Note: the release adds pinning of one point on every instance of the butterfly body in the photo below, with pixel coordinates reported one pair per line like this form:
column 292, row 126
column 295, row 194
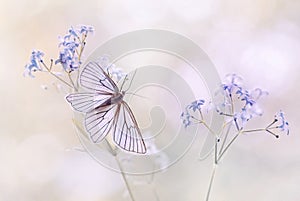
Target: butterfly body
column 105, row 110
column 117, row 97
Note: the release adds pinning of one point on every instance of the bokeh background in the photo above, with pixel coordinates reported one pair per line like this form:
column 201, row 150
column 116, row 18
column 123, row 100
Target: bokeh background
column 258, row 39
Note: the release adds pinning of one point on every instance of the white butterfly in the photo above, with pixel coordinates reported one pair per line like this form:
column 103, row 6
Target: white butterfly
column 105, row 110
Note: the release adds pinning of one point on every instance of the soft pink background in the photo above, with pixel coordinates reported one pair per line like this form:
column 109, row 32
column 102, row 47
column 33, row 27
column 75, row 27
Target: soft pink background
column 259, row 39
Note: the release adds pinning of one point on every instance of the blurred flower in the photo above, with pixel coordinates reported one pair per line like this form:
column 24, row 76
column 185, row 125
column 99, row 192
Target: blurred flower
column 34, row 65
column 196, row 105
column 283, row 124
column 232, row 82
column 116, row 73
column 186, row 118
column 258, row 93
column 247, row 113
column 85, row 29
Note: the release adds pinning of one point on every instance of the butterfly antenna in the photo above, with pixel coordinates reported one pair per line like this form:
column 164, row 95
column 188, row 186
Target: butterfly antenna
column 123, row 82
column 131, row 80
column 134, row 94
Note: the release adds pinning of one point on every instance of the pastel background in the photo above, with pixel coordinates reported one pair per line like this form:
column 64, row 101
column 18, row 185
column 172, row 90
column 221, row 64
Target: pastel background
column 258, row 39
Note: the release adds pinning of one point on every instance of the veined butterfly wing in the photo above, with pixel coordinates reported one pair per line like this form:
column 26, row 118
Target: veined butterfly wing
column 94, row 78
column 85, row 102
column 127, row 134
column 99, row 121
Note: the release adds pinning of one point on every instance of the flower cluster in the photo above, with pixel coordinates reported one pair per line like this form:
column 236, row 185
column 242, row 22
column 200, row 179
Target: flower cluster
column 35, row 63
column 72, row 44
column 239, row 105
column 283, row 124
column 71, row 48
column 234, row 92
column 186, row 116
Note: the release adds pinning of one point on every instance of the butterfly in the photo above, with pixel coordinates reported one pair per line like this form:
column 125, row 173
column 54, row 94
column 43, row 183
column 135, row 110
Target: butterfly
column 105, row 110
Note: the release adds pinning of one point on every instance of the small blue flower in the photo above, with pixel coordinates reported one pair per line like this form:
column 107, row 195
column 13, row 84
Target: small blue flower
column 85, row 29
column 68, row 44
column 186, row 118
column 242, row 117
column 72, row 32
column 247, row 113
column 115, row 73
column 232, row 82
column 71, row 46
column 283, row 124
column 258, row 93
column 68, row 60
column 248, row 100
column 196, row 105
column 34, row 65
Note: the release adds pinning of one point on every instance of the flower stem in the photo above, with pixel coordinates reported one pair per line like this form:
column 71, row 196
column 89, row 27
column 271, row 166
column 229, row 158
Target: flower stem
column 225, row 138
column 113, row 152
column 229, row 144
column 71, row 80
column 211, row 182
column 69, row 85
column 121, row 170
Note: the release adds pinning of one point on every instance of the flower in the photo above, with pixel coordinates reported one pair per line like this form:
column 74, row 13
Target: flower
column 34, row 65
column 115, row 73
column 232, row 82
column 71, row 46
column 85, row 29
column 247, row 113
column 68, row 60
column 185, row 117
column 196, row 105
column 283, row 124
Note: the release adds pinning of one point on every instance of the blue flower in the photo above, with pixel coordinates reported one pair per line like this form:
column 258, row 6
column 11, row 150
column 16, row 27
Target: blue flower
column 34, row 65
column 85, row 29
column 252, row 97
column 68, row 44
column 196, row 105
column 247, row 113
column 186, row 118
column 283, row 124
column 115, row 73
column 233, row 82
column 68, row 60
column 72, row 32
column 71, row 46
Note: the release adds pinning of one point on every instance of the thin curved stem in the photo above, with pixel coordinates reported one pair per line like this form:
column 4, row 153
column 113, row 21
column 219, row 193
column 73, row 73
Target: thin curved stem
column 121, row 170
column 229, row 144
column 113, row 152
column 211, row 182
column 60, row 79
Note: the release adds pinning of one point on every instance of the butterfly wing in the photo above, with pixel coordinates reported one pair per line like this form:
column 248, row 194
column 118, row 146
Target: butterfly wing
column 85, row 102
column 99, row 121
column 93, row 78
column 127, row 134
